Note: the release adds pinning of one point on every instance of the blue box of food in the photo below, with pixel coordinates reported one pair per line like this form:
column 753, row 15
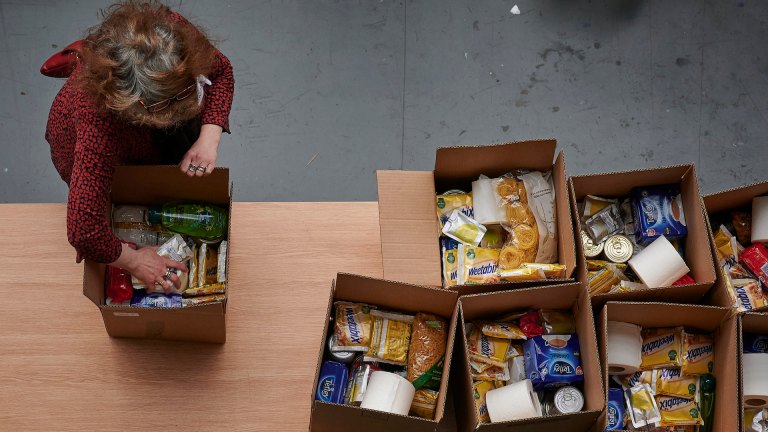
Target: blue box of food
column 553, row 361
column 615, row 411
column 658, row 210
column 755, row 343
column 332, row 383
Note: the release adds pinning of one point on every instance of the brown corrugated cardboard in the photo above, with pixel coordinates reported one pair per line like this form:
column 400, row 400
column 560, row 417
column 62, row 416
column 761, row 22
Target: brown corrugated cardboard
column 750, row 322
column 697, row 247
column 721, row 201
column 386, row 295
column 566, row 296
column 148, row 185
column 407, row 213
column 711, row 319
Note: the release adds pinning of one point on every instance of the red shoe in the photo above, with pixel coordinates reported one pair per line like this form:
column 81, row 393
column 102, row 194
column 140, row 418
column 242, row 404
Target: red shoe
column 61, row 64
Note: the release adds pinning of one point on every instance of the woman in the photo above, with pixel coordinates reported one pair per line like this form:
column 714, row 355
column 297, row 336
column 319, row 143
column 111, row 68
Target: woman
column 149, row 88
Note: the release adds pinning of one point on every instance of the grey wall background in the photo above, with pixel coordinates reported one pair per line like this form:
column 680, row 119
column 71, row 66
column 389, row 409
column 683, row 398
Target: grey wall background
column 329, row 91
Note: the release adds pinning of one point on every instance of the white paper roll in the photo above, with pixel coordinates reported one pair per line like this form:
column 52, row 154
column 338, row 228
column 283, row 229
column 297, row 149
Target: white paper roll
column 760, row 219
column 624, row 348
column 388, row 392
column 755, row 376
column 659, row 264
column 513, row 402
column 485, row 202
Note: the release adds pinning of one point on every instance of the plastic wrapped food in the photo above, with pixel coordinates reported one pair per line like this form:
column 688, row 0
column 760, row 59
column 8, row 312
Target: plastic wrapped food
column 698, row 354
column 551, row 271
column 463, row 228
column 178, row 250
column 677, row 411
column 604, row 224
column 479, row 390
column 213, row 298
column 477, row 265
column 487, row 349
column 557, row 321
column 501, row 330
column 449, row 250
column 672, row 382
column 453, row 200
column 530, row 324
column 426, row 352
column 155, row 300
column 424, row 403
column 661, row 348
column 119, row 288
column 353, row 326
column 390, row 337
column 642, row 407
column 217, row 288
column 521, row 274
column 221, row 262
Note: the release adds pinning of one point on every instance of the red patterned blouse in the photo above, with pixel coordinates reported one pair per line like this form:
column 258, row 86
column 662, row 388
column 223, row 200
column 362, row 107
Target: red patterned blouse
column 87, row 144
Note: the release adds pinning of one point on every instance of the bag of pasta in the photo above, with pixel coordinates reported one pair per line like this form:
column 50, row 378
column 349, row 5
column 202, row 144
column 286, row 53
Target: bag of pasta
column 426, row 353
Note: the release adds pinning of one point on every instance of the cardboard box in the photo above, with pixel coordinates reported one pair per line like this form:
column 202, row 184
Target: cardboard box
column 408, row 216
column 750, row 322
column 148, row 185
column 730, row 199
column 697, row 246
column 711, row 319
column 565, row 296
column 386, row 295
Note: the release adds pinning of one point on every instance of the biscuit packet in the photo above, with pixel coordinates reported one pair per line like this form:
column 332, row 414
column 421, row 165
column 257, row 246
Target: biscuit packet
column 216, row 288
column 450, row 267
column 634, row 379
column 501, row 330
column 672, row 382
column 390, row 338
column 677, row 411
column 551, row 271
column 192, row 301
column 485, row 349
column 453, row 200
column 479, row 390
column 352, row 326
column 521, row 274
column 478, row 367
column 477, row 265
column 747, row 294
column 698, row 354
column 661, row 348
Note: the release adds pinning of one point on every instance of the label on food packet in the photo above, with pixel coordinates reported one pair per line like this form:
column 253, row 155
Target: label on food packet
column 452, row 200
column 486, row 349
column 449, row 249
column 658, row 211
column 353, row 326
column 677, row 411
column 672, row 382
column 552, row 361
column 755, row 343
column 661, row 348
column 698, row 354
column 747, row 293
column 477, row 265
column 479, row 390
column 615, row 410
column 634, row 379
column 755, row 258
column 332, row 382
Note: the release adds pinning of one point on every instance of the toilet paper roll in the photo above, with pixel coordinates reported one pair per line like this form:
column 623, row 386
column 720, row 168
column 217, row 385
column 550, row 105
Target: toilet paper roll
column 755, row 370
column 659, row 264
column 485, row 203
column 760, row 219
column 624, row 348
column 513, row 402
column 388, row 392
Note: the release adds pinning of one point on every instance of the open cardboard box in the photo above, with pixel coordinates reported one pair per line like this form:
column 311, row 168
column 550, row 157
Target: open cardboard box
column 386, row 295
column 750, row 322
column 715, row 320
column 730, row 199
column 698, row 255
column 566, row 296
column 408, row 216
column 148, row 185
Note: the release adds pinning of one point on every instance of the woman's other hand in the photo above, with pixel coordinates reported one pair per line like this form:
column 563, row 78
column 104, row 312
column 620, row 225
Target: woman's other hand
column 200, row 160
column 145, row 264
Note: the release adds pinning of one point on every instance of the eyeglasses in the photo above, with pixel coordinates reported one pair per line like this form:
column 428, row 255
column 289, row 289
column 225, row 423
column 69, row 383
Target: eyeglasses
column 163, row 104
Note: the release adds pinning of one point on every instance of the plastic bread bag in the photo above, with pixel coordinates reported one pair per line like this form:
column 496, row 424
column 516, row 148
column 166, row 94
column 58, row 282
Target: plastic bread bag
column 426, row 352
column 390, row 338
column 541, row 199
column 353, row 326
column 178, row 250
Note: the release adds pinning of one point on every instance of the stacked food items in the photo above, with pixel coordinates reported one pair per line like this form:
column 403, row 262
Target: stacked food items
column 659, row 378
column 634, row 242
column 193, row 234
column 740, row 236
column 755, row 379
column 525, row 365
column 504, row 230
column 382, row 360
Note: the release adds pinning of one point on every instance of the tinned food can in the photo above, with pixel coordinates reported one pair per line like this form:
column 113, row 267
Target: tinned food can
column 591, row 250
column 567, row 400
column 618, row 248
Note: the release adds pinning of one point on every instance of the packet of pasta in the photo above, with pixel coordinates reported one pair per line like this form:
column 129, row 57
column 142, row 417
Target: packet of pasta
column 390, row 337
column 353, row 326
column 426, row 352
column 551, row 271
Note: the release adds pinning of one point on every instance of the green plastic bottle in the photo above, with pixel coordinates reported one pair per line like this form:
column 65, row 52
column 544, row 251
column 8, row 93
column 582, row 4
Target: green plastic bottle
column 208, row 222
column 707, row 401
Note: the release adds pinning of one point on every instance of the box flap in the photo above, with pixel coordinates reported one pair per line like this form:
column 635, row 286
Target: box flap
column 93, row 281
column 620, row 183
column 454, row 166
column 735, row 197
column 327, row 417
column 154, row 184
column 566, row 245
column 203, row 323
column 409, row 229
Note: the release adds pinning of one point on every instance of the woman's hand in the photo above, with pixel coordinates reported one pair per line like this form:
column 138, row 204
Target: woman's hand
column 200, row 160
column 145, row 264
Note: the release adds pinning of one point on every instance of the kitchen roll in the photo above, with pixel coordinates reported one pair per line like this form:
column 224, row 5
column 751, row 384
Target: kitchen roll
column 485, row 202
column 624, row 348
column 760, row 219
column 388, row 392
column 659, row 264
column 755, row 370
column 513, row 402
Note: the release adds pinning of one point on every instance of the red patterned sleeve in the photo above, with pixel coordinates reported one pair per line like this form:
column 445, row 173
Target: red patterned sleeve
column 88, row 226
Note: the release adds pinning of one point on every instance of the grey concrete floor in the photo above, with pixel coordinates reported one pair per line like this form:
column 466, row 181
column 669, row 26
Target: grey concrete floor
column 329, row 91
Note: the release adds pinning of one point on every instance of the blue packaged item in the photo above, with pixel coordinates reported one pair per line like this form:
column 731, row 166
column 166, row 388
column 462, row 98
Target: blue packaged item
column 447, row 243
column 658, row 210
column 552, row 361
column 155, row 300
column 616, row 409
column 755, row 343
column 332, row 383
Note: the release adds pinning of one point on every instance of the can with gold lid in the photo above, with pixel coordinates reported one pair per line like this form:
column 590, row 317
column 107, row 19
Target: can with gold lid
column 590, row 249
column 618, row 248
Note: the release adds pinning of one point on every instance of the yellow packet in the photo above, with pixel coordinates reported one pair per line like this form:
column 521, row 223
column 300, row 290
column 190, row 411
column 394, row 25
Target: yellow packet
column 551, row 271
column 353, row 326
column 450, row 201
column 521, row 274
column 677, row 411
column 595, row 265
column 450, row 267
column 672, row 382
column 478, row 367
column 390, row 337
column 202, row 299
column 634, row 379
column 210, row 266
column 487, row 349
column 603, row 280
column 661, row 348
column 746, row 293
column 477, row 265
column 493, row 373
column 479, row 389
column 193, row 272
column 499, row 383
column 216, row 288
column 698, row 354
column 593, row 204
column 424, row 403
column 642, row 407
column 501, row 330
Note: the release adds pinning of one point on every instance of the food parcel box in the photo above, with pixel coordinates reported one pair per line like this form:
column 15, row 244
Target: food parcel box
column 753, row 362
column 697, row 254
column 410, row 230
column 489, row 306
column 732, row 209
column 695, row 319
column 154, row 185
column 387, row 297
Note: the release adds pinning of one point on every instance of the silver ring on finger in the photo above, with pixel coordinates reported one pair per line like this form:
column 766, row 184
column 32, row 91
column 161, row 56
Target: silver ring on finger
column 168, row 273
column 192, row 168
column 202, row 168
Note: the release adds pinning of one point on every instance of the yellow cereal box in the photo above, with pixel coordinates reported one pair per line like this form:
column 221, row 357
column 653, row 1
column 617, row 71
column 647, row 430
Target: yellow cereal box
column 661, row 348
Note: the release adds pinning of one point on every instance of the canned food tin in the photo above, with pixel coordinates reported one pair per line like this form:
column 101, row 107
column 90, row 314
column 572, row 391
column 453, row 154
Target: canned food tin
column 618, row 248
column 339, row 356
column 568, row 400
column 590, row 249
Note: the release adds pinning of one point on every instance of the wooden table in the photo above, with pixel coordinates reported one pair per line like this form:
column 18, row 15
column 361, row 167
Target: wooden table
column 60, row 371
